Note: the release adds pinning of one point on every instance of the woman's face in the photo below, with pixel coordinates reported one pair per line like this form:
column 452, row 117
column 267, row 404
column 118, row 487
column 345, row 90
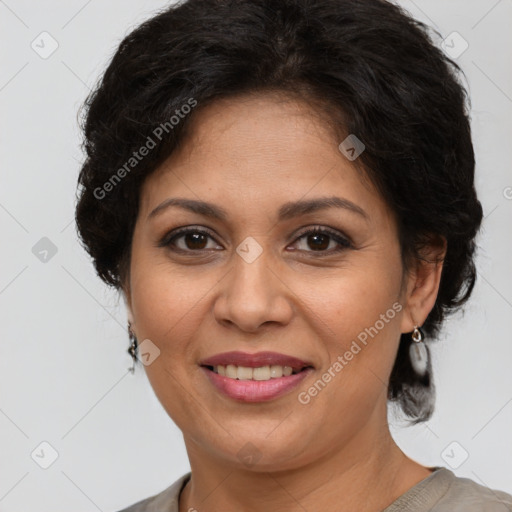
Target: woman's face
column 258, row 282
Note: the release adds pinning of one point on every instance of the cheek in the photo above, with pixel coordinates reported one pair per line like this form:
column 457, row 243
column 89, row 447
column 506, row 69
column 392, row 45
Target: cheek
column 166, row 307
column 360, row 314
column 170, row 304
column 162, row 293
column 352, row 298
column 360, row 352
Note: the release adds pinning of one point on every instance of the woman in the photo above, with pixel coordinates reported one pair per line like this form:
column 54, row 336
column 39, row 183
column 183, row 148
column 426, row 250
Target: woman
column 283, row 191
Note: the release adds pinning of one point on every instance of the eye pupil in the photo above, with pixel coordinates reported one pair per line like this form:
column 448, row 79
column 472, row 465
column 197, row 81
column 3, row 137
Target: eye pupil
column 320, row 240
column 195, row 238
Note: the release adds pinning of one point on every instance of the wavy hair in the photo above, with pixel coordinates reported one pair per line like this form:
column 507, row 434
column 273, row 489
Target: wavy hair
column 368, row 69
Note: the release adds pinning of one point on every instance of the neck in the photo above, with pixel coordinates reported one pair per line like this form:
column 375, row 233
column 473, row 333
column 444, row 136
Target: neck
column 367, row 474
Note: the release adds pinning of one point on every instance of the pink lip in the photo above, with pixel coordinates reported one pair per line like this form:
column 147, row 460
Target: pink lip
column 255, row 390
column 254, row 360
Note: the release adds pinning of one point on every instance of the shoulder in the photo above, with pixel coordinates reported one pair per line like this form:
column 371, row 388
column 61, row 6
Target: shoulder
column 443, row 491
column 167, row 500
column 464, row 494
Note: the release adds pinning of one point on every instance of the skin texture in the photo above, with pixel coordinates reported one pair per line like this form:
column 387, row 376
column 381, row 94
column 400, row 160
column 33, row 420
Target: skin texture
column 249, row 156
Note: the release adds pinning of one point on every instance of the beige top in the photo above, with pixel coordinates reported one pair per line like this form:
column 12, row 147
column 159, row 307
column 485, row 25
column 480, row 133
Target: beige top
column 441, row 491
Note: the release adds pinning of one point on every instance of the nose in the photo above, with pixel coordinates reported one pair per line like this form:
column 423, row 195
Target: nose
column 253, row 295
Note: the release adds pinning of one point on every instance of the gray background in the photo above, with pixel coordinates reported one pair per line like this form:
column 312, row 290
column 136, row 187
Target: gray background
column 63, row 363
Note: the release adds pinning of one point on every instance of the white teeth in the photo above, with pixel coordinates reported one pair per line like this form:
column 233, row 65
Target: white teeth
column 230, row 371
column 243, row 373
column 260, row 373
column 276, row 371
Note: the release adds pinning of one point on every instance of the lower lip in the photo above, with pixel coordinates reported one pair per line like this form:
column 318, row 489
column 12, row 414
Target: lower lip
column 255, row 390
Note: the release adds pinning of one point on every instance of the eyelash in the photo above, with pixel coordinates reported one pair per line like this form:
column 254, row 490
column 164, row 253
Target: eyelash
column 343, row 242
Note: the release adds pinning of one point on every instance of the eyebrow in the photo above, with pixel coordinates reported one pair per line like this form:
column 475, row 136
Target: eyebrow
column 286, row 211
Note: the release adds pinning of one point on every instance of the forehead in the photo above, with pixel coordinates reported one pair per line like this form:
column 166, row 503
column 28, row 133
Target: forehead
column 259, row 151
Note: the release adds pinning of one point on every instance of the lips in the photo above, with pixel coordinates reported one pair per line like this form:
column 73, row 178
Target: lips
column 256, row 360
column 237, row 382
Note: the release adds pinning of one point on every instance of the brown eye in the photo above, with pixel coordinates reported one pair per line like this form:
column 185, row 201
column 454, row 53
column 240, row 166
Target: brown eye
column 195, row 240
column 323, row 241
column 318, row 241
column 188, row 240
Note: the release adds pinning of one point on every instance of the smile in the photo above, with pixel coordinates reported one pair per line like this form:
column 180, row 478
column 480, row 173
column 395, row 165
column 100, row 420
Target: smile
column 256, row 377
column 260, row 373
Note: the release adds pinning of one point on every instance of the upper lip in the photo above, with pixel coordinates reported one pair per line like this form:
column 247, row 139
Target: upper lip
column 256, row 360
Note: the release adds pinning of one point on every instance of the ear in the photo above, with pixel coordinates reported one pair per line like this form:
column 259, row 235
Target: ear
column 422, row 284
